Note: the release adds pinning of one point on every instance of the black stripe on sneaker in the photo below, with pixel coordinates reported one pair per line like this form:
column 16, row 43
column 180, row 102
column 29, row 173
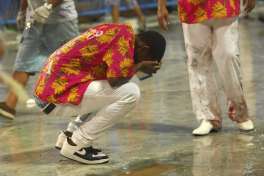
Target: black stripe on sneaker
column 88, row 155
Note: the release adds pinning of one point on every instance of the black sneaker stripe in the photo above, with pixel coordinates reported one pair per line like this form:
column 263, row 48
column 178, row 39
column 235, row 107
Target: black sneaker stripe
column 90, row 157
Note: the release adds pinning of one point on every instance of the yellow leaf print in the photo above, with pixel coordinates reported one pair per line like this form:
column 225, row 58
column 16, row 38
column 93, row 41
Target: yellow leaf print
column 123, row 46
column 219, row 10
column 51, row 99
column 99, row 71
column 108, row 57
column 182, row 14
column 88, row 77
column 50, row 65
column 89, row 51
column 59, row 85
column 40, row 86
column 111, row 32
column 196, row 2
column 85, row 36
column 68, row 46
column 200, row 15
column 125, row 73
column 233, row 4
column 111, row 74
column 130, row 29
column 126, row 63
column 107, row 36
column 73, row 95
column 71, row 68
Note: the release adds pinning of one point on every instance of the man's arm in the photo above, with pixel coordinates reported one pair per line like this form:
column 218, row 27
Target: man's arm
column 163, row 14
column 2, row 48
column 21, row 15
column 148, row 67
column 23, row 5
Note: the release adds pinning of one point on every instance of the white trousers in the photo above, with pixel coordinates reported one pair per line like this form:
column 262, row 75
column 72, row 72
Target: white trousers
column 109, row 104
column 215, row 41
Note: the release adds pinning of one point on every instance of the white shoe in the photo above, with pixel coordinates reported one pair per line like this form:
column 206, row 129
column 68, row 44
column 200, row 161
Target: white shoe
column 61, row 139
column 31, row 103
column 205, row 128
column 246, row 126
column 87, row 155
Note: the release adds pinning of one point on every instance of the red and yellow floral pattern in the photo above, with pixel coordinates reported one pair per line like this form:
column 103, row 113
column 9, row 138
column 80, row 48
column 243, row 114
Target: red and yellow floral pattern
column 197, row 11
column 103, row 52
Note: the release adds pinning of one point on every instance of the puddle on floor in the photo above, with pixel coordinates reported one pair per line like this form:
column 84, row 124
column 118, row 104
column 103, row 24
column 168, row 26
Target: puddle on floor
column 154, row 170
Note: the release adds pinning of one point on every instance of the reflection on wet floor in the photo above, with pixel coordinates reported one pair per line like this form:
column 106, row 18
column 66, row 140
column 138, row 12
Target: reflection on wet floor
column 235, row 155
column 156, row 169
column 155, row 139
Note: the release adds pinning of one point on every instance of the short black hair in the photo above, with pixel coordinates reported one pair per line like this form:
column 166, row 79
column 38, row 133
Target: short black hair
column 156, row 43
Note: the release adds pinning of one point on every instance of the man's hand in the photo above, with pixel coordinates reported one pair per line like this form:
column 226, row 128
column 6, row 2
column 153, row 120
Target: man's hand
column 41, row 14
column 21, row 20
column 249, row 5
column 163, row 14
column 149, row 67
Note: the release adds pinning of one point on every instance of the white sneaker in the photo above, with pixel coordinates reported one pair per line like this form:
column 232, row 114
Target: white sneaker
column 61, row 139
column 87, row 155
column 31, row 103
column 205, row 128
column 246, row 126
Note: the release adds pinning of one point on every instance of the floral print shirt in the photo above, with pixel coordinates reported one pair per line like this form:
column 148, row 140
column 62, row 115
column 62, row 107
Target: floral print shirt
column 103, row 52
column 197, row 11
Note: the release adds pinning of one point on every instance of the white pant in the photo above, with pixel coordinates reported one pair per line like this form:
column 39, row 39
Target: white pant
column 110, row 105
column 216, row 42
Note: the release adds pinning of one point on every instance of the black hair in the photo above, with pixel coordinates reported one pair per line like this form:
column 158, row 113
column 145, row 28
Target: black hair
column 156, row 43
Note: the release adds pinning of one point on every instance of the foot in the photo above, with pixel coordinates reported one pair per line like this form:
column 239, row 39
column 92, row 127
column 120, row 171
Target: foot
column 87, row 155
column 6, row 111
column 61, row 139
column 205, row 128
column 246, row 126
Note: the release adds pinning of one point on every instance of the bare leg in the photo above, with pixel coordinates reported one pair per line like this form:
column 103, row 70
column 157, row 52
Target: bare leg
column 140, row 14
column 11, row 99
column 115, row 13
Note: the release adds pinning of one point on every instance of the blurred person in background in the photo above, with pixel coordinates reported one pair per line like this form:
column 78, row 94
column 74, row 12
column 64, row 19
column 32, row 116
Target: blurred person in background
column 2, row 47
column 210, row 29
column 46, row 26
column 132, row 4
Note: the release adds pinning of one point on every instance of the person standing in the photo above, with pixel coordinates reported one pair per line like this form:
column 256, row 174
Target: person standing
column 132, row 4
column 2, row 46
column 210, row 29
column 46, row 26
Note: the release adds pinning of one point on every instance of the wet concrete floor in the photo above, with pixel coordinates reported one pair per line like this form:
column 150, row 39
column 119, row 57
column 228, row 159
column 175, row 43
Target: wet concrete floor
column 155, row 139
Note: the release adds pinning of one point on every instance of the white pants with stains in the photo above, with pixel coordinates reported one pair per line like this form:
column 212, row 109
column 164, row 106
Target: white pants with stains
column 215, row 41
column 109, row 104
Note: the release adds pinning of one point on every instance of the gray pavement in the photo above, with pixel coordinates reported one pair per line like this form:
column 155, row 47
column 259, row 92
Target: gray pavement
column 155, row 139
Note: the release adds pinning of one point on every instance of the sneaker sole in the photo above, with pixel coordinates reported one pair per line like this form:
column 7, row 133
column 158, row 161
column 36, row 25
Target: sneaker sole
column 68, row 155
column 242, row 130
column 212, row 131
column 59, row 145
column 79, row 160
column 7, row 115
